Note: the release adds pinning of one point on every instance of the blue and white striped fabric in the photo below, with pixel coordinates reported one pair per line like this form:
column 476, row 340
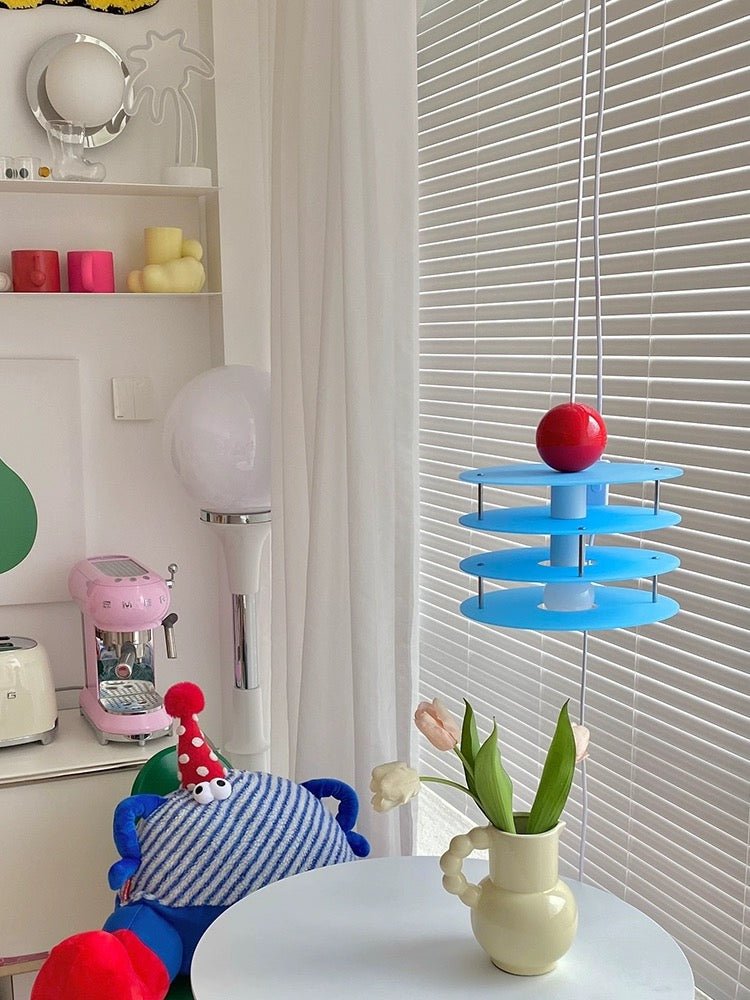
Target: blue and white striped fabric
column 214, row 854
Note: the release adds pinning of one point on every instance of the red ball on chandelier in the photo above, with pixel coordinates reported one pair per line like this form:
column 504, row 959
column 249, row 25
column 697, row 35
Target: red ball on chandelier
column 571, row 437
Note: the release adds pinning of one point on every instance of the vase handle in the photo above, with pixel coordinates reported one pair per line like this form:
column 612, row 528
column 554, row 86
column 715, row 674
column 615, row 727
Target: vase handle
column 452, row 862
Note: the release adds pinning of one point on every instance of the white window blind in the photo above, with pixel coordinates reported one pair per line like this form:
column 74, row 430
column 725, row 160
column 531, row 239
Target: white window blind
column 669, row 704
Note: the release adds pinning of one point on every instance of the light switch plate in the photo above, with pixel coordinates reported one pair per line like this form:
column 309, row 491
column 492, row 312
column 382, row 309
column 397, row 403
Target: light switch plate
column 132, row 398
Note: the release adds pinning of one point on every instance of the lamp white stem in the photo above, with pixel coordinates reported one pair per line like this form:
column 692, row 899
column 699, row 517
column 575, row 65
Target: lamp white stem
column 242, row 538
column 248, row 747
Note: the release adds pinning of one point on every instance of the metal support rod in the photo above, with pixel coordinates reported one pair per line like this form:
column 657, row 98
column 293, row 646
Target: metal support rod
column 244, row 624
column 656, row 496
column 654, row 587
column 480, row 592
column 480, row 501
column 581, row 554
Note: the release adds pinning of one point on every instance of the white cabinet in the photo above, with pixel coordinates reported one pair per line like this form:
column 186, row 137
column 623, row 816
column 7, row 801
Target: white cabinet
column 56, row 809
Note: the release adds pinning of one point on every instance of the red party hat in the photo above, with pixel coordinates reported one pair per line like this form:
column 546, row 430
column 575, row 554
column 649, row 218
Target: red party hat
column 195, row 759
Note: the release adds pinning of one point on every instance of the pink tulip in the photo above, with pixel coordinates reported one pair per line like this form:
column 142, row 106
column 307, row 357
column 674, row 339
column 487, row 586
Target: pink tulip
column 581, row 735
column 435, row 722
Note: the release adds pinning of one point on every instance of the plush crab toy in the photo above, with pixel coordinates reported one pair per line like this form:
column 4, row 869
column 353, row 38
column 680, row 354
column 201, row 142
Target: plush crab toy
column 187, row 856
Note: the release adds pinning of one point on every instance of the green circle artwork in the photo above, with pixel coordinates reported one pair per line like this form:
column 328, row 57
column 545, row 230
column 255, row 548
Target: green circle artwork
column 18, row 519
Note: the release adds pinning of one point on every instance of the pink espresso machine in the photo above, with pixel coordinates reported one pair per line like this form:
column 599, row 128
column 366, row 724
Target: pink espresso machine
column 122, row 603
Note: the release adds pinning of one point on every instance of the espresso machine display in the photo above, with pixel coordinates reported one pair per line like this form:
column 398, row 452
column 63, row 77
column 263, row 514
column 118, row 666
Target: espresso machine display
column 122, row 603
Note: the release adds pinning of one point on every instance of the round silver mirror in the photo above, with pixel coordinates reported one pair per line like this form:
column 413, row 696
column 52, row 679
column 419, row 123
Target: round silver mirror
column 58, row 73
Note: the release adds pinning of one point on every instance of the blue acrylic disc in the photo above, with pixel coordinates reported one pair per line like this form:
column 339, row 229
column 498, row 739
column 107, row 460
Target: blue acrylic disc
column 539, row 474
column 602, row 562
column 607, row 519
column 614, row 607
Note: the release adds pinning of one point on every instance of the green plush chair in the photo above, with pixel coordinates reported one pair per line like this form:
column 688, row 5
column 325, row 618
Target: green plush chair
column 158, row 776
column 180, row 989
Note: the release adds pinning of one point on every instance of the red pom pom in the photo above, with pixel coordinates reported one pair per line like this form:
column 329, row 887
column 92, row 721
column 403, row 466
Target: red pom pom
column 184, row 699
column 571, row 437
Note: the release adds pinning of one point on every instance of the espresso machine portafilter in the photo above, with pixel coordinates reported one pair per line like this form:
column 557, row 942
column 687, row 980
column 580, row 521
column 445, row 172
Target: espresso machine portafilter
column 122, row 603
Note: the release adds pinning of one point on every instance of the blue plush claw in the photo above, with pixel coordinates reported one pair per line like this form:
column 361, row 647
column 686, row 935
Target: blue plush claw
column 358, row 844
column 125, row 832
column 348, row 810
column 121, row 871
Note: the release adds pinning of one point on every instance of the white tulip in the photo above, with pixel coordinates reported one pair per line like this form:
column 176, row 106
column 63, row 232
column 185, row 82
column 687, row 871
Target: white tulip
column 393, row 785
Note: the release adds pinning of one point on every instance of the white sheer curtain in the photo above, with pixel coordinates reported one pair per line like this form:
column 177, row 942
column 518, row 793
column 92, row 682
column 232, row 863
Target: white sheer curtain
column 343, row 237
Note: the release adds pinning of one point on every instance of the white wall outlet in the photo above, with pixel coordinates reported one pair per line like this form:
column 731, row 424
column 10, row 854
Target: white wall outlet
column 132, row 398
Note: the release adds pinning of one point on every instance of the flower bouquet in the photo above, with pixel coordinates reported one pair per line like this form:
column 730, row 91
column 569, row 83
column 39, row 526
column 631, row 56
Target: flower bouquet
column 487, row 781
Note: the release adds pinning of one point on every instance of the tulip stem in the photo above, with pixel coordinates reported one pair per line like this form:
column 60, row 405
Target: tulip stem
column 453, row 784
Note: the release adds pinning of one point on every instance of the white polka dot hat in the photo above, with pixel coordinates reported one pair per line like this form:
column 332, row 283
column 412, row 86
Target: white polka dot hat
column 196, row 761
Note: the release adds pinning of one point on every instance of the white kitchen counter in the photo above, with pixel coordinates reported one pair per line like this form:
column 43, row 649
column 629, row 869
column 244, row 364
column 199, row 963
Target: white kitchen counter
column 73, row 751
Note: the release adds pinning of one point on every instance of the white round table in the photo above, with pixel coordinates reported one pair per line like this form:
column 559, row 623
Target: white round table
column 385, row 928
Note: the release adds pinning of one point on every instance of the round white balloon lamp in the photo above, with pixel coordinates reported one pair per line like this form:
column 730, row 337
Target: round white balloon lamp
column 217, row 435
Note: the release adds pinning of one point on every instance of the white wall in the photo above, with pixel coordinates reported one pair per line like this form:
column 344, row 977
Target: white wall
column 133, row 501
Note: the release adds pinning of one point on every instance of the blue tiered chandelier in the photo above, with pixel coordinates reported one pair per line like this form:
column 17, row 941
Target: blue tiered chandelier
column 570, row 573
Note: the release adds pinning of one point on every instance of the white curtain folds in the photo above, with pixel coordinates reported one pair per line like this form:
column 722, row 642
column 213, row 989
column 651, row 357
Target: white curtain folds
column 343, row 236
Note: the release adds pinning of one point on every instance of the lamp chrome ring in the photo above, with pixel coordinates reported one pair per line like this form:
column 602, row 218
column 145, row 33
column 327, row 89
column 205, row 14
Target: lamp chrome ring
column 213, row 517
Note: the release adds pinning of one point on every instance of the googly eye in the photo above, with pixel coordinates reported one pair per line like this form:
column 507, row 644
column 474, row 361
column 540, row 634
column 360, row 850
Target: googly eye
column 221, row 788
column 203, row 794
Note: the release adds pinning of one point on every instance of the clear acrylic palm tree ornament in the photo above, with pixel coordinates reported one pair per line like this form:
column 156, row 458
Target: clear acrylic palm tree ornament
column 164, row 66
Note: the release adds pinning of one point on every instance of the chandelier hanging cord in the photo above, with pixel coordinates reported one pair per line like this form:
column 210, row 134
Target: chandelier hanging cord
column 597, row 192
column 598, row 322
column 584, row 773
column 580, row 201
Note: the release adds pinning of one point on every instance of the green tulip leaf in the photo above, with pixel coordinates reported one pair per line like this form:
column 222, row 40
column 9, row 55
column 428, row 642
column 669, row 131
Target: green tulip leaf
column 494, row 789
column 557, row 777
column 18, row 519
column 469, row 745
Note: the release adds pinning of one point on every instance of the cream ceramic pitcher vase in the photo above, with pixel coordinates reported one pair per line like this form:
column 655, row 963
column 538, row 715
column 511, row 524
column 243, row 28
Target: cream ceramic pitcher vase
column 522, row 914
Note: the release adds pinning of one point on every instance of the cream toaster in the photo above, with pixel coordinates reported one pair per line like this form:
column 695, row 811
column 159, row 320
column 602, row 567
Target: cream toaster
column 28, row 706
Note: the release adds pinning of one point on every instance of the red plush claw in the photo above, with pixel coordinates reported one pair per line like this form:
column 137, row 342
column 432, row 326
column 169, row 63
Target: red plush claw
column 99, row 964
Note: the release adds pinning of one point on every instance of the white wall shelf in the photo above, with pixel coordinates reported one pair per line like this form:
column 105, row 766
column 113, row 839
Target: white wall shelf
column 69, row 215
column 104, row 188
column 8, row 296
